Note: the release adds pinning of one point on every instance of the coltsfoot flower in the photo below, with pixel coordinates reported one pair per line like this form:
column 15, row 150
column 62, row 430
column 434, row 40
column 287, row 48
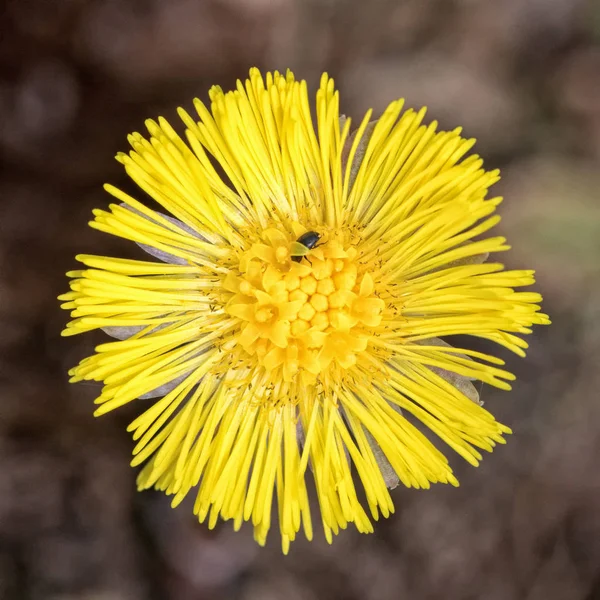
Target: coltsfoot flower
column 272, row 361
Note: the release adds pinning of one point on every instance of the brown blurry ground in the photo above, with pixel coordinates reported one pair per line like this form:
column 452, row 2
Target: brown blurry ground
column 76, row 76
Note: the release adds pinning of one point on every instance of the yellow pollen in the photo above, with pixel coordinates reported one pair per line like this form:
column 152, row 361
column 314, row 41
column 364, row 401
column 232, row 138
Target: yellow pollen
column 298, row 296
column 308, row 285
column 326, row 286
column 307, row 312
column 319, row 302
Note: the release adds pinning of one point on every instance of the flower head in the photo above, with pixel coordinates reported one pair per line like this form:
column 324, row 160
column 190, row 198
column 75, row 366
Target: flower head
column 273, row 361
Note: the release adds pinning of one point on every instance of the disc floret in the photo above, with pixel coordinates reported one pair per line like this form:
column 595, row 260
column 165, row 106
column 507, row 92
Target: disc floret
column 303, row 316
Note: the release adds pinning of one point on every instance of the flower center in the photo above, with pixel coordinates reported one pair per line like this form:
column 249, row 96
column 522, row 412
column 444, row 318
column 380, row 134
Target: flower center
column 302, row 316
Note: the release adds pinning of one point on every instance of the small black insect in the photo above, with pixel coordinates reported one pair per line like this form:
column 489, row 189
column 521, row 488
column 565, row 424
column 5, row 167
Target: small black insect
column 308, row 239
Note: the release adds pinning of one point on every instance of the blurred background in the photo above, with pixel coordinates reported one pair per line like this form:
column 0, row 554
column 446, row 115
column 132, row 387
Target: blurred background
column 523, row 76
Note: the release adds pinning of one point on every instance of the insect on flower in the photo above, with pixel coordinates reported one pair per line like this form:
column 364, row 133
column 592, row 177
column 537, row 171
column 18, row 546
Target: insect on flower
column 266, row 370
column 307, row 241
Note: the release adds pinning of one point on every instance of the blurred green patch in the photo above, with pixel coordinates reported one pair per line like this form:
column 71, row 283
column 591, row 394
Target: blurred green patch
column 573, row 236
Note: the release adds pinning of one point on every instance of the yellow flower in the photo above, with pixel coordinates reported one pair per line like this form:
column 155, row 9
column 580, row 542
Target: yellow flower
column 277, row 360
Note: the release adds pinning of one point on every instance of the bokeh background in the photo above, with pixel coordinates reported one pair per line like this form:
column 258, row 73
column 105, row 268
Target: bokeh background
column 523, row 76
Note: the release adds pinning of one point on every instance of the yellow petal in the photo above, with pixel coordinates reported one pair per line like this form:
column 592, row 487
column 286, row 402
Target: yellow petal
column 289, row 310
column 301, row 269
column 276, row 237
column 249, row 335
column 274, row 358
column 314, row 338
column 271, row 277
column 366, row 286
column 231, row 282
column 263, row 298
column 279, row 334
column 357, row 343
column 263, row 252
column 346, row 360
column 368, row 305
column 242, row 311
column 318, row 253
column 370, row 319
column 334, row 250
column 341, row 320
column 308, row 360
